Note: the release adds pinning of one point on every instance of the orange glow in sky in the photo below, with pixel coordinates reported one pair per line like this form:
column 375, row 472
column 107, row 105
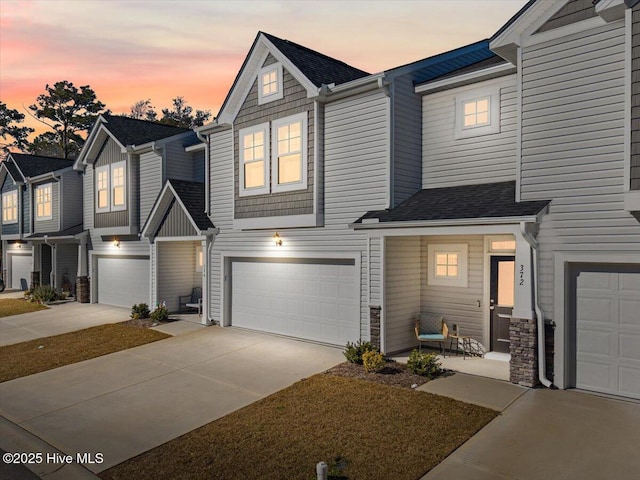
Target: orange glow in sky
column 130, row 50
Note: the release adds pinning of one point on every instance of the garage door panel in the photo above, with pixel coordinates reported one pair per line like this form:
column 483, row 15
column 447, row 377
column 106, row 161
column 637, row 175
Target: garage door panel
column 630, row 346
column 629, row 382
column 630, row 312
column 123, row 281
column 305, row 299
column 20, row 271
column 593, row 342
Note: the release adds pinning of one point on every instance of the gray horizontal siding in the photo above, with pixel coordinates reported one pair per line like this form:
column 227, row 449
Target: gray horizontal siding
column 66, row 263
column 71, row 199
column 448, row 161
column 176, row 265
column 179, row 164
column 573, row 146
column 635, row 99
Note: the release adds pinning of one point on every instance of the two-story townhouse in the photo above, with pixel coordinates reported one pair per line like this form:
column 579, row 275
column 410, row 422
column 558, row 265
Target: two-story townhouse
column 302, row 147
column 41, row 221
column 576, row 145
column 133, row 169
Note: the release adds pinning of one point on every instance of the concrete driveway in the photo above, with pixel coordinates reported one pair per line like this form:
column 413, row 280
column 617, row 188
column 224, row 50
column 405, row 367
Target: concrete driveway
column 126, row 403
column 57, row 319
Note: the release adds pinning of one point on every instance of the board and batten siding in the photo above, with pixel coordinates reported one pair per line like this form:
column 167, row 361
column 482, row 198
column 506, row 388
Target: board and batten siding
column 176, row 223
column 402, row 292
column 150, row 182
column 573, row 101
column 53, row 224
column 406, row 137
column 71, row 199
column 176, row 266
column 448, row 161
column 635, row 99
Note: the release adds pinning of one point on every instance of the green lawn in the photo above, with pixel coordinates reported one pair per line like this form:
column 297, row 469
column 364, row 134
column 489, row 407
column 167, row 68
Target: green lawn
column 16, row 306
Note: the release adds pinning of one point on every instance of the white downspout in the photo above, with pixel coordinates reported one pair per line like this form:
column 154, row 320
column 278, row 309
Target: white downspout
column 54, row 261
column 207, row 281
column 204, row 140
column 542, row 367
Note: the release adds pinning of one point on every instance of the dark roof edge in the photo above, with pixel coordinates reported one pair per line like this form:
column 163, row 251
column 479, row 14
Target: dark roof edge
column 512, row 20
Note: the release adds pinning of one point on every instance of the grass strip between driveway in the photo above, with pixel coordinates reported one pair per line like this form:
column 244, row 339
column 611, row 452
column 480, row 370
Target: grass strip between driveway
column 16, row 306
column 39, row 355
column 375, row 431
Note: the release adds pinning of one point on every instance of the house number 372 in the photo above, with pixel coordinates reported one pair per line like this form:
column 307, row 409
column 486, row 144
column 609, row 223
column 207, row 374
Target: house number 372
column 521, row 271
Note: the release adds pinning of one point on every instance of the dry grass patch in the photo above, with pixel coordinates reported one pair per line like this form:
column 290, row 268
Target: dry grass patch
column 16, row 306
column 35, row 356
column 377, row 431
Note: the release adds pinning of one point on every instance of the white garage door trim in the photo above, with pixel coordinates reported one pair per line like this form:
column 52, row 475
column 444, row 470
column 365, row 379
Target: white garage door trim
column 20, row 268
column 309, row 298
column 607, row 328
column 122, row 281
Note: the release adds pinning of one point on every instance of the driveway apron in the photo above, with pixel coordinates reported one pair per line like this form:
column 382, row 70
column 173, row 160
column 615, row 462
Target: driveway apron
column 128, row 402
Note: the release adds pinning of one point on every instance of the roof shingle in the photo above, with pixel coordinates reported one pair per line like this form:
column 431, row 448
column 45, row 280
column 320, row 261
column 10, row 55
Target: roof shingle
column 192, row 196
column 130, row 131
column 34, row 165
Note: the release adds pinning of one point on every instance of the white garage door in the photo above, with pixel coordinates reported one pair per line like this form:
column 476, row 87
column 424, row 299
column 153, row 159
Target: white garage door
column 123, row 281
column 20, row 271
column 608, row 331
column 311, row 299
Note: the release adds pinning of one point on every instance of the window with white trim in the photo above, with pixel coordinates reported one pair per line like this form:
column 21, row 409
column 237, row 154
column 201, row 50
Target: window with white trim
column 199, row 258
column 254, row 160
column 270, row 86
column 289, row 157
column 447, row 264
column 111, row 187
column 10, row 207
column 478, row 113
column 43, row 202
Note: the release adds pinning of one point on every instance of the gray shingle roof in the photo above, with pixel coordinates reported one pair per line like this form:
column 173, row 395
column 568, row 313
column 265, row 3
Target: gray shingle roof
column 130, row 131
column 34, row 165
column 488, row 200
column 13, row 171
column 317, row 67
column 191, row 194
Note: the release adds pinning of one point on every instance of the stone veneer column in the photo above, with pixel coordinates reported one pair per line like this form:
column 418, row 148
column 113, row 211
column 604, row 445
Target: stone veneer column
column 82, row 290
column 374, row 325
column 524, row 354
column 35, row 279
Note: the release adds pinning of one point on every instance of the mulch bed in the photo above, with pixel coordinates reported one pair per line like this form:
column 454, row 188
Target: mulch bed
column 394, row 374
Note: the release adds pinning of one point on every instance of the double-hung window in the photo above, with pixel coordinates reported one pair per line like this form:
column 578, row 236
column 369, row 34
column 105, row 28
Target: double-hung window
column 111, row 191
column 289, row 158
column 270, row 86
column 10, row 207
column 43, row 202
column 254, row 160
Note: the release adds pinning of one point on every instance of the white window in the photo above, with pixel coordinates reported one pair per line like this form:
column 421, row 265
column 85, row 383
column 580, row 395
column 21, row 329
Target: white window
column 478, row 113
column 447, row 264
column 270, row 86
column 289, row 158
column 118, row 186
column 254, row 160
column 199, row 258
column 111, row 187
column 43, row 202
column 502, row 244
column 10, row 207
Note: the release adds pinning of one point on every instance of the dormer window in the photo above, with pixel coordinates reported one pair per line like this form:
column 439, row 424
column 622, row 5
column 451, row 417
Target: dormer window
column 10, row 207
column 43, row 202
column 270, row 86
column 478, row 113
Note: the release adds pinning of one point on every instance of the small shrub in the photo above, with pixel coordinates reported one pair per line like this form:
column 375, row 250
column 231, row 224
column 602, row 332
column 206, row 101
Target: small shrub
column 353, row 351
column 372, row 361
column 161, row 313
column 44, row 294
column 425, row 364
column 139, row 311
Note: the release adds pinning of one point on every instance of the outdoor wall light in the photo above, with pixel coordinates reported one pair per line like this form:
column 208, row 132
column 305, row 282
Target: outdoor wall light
column 277, row 239
column 116, row 243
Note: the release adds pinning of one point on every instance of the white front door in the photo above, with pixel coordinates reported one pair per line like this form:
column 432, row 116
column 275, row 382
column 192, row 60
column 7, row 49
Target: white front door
column 123, row 282
column 312, row 299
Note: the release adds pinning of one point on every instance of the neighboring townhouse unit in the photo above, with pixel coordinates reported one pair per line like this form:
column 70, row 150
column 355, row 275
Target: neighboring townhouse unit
column 135, row 172
column 302, row 147
column 577, row 146
column 41, row 221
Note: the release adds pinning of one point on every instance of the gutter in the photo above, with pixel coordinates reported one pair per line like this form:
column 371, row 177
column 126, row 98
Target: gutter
column 368, row 224
column 542, row 367
column 331, row 92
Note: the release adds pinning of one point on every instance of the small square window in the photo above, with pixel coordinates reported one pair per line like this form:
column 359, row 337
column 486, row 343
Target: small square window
column 270, row 86
column 478, row 113
column 447, row 264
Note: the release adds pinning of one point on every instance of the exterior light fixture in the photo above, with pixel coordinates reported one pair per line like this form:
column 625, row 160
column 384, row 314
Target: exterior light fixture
column 116, row 243
column 277, row 239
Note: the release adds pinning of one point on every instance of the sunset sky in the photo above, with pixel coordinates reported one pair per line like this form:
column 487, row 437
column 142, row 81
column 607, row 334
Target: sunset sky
column 130, row 50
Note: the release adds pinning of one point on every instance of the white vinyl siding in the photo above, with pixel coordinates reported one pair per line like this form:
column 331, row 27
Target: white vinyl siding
column 450, row 161
column 402, row 292
column 573, row 146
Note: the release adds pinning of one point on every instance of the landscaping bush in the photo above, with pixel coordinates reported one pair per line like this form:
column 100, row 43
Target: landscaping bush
column 354, row 351
column 139, row 311
column 161, row 313
column 372, row 361
column 44, row 294
column 425, row 364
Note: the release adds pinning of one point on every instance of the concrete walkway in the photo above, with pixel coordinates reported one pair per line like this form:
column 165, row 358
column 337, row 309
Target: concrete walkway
column 542, row 433
column 57, row 319
column 126, row 403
